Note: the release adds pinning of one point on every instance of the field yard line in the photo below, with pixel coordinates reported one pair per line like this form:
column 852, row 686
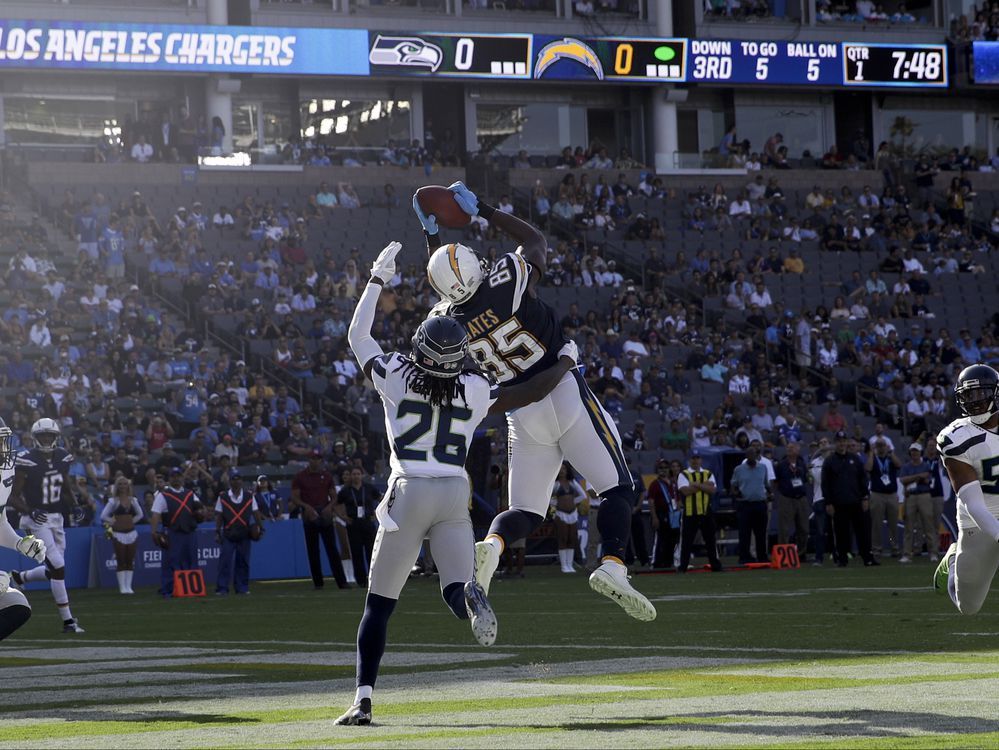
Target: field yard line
column 525, row 646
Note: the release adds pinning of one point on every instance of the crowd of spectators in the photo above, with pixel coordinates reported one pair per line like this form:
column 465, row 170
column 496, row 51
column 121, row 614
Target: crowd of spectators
column 980, row 24
column 81, row 336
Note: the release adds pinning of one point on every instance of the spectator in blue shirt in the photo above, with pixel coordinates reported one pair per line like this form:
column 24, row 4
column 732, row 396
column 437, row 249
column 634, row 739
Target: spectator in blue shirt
column 19, row 370
column 162, row 266
column 85, row 225
column 751, row 492
column 968, row 349
column 712, row 370
column 112, row 249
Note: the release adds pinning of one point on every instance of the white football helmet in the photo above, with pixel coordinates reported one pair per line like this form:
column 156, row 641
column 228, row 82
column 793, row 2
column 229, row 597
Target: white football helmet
column 45, row 433
column 455, row 272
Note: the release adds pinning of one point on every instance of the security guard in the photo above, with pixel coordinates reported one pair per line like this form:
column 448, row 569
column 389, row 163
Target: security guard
column 237, row 521
column 697, row 485
column 179, row 510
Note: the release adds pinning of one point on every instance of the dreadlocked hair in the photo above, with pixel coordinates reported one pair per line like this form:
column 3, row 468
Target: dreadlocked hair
column 439, row 392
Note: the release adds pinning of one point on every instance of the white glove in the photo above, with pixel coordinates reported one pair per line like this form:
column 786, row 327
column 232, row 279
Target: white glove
column 4, row 582
column 570, row 350
column 33, row 547
column 384, row 266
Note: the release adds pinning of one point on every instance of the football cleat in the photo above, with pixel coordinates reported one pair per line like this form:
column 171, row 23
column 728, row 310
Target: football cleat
column 486, row 562
column 611, row 580
column 72, row 626
column 942, row 573
column 480, row 614
column 358, row 715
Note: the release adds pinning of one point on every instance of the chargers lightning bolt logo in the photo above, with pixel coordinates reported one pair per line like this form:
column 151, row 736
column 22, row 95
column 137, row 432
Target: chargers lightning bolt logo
column 407, row 51
column 567, row 49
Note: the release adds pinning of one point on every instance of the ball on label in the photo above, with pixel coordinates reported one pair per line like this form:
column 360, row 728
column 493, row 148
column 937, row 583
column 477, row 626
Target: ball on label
column 439, row 202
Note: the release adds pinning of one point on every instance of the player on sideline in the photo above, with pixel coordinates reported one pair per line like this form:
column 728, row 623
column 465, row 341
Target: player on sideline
column 41, row 495
column 432, row 408
column 14, row 607
column 515, row 335
column 970, row 449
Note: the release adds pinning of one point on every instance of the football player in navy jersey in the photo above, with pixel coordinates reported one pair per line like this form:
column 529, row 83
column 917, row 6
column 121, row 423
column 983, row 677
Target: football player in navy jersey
column 14, row 607
column 514, row 335
column 41, row 494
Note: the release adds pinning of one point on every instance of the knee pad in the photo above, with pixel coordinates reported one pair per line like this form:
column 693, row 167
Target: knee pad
column 515, row 524
column 55, row 574
column 13, row 617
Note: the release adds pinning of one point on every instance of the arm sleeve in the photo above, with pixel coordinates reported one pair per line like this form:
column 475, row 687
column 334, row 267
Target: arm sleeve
column 8, row 537
column 108, row 509
column 521, row 276
column 139, row 512
column 974, row 500
column 365, row 348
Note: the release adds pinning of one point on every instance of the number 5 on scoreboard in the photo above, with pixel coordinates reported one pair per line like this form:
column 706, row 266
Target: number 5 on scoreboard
column 762, row 69
column 813, row 70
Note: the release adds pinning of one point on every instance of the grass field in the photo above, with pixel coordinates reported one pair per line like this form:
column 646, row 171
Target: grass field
column 823, row 658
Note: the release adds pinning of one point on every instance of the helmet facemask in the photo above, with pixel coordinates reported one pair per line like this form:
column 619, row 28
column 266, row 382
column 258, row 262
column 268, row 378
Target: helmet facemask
column 978, row 403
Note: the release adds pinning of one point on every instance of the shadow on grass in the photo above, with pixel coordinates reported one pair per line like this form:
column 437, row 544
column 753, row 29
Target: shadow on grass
column 815, row 724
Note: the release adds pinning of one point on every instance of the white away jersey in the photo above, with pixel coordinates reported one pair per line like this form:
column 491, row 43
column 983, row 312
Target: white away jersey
column 962, row 440
column 428, row 441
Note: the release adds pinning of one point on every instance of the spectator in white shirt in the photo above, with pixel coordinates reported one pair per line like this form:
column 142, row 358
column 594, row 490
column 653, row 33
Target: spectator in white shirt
column 911, row 264
column 740, row 206
column 610, row 277
column 222, row 218
column 142, row 151
column 739, row 383
column 828, row 353
column 505, row 204
column 760, row 297
column 39, row 335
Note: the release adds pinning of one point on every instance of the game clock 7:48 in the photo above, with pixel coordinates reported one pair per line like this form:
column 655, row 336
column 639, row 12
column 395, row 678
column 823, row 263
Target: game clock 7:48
column 894, row 65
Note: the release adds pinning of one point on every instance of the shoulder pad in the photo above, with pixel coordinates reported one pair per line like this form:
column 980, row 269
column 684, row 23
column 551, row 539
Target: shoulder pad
column 959, row 437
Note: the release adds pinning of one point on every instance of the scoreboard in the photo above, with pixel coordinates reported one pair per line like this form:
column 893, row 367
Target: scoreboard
column 784, row 63
column 894, row 65
column 549, row 57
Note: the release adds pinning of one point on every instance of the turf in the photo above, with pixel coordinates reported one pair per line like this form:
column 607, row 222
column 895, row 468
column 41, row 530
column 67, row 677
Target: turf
column 818, row 658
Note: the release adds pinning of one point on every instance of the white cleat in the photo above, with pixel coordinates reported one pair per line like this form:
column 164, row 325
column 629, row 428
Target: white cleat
column 611, row 580
column 486, row 562
column 480, row 614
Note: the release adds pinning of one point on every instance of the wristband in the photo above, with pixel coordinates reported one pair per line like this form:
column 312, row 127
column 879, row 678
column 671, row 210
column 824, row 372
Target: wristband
column 485, row 210
column 377, row 281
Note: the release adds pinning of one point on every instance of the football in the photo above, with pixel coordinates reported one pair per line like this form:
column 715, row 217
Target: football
column 439, row 202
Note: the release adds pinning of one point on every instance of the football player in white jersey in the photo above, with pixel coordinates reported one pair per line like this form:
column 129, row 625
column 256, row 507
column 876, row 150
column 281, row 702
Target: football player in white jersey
column 515, row 334
column 41, row 494
column 970, row 449
column 14, row 607
column 432, row 407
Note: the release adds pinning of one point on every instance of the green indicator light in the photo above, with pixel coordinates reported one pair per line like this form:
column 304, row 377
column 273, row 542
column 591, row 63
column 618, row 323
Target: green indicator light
column 665, row 54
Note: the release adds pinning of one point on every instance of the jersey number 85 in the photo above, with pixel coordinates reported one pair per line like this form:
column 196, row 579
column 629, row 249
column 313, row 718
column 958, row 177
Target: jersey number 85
column 507, row 351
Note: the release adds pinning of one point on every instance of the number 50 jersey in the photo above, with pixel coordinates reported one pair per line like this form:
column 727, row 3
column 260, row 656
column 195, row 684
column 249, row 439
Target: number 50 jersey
column 512, row 335
column 44, row 475
column 428, row 441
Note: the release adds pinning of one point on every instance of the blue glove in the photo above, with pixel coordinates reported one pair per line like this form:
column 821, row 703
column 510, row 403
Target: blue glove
column 39, row 516
column 465, row 198
column 429, row 222
column 78, row 514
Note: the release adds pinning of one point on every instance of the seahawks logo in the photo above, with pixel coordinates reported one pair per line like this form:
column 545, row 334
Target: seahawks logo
column 568, row 49
column 406, row 51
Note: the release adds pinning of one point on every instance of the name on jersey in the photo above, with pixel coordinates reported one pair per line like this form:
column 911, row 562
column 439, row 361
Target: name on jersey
column 481, row 324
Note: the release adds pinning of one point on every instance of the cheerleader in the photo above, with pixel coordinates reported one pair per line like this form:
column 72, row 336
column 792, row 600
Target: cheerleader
column 119, row 517
column 567, row 494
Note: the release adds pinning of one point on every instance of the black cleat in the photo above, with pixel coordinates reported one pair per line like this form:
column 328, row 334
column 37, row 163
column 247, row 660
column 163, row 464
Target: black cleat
column 72, row 626
column 358, row 715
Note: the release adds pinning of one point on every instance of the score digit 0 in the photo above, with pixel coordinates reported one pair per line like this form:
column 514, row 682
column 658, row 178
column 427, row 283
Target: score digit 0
column 622, row 59
column 463, row 51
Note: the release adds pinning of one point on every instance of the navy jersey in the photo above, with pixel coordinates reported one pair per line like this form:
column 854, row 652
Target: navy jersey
column 511, row 334
column 44, row 475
